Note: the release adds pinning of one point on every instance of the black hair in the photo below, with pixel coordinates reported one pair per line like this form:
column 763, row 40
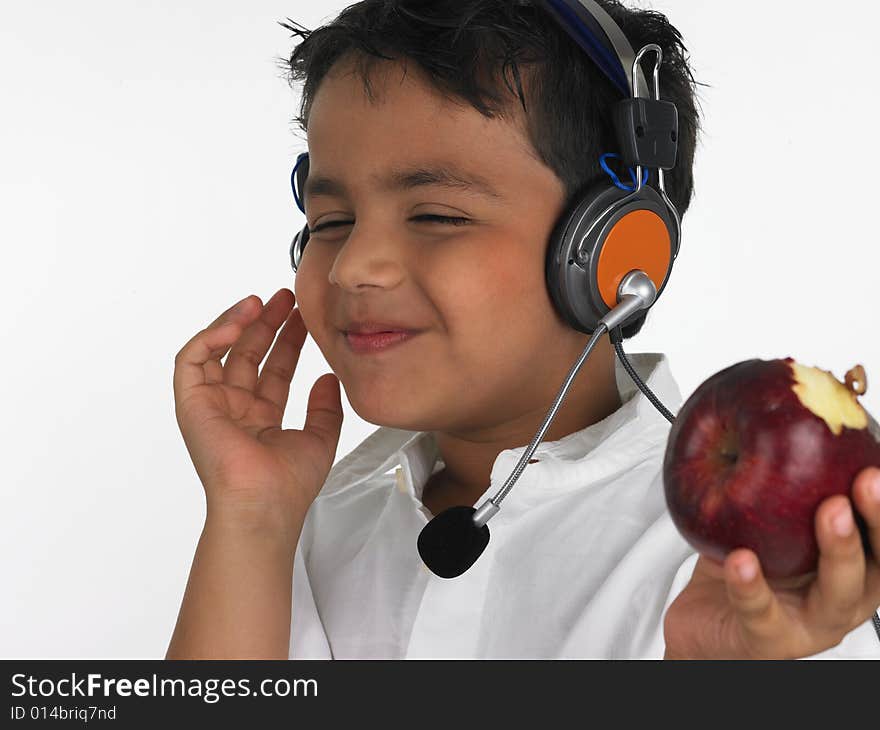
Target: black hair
column 462, row 45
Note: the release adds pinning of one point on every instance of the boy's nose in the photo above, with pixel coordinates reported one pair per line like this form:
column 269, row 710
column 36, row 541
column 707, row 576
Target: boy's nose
column 368, row 258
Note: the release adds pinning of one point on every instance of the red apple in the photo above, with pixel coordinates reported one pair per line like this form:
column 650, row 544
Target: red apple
column 754, row 451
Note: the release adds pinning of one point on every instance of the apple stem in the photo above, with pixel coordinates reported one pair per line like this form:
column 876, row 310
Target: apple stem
column 856, row 380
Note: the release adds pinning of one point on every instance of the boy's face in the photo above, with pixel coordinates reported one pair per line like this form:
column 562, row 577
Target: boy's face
column 493, row 350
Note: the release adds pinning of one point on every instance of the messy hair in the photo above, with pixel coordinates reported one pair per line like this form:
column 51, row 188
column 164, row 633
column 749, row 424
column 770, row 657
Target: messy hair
column 467, row 47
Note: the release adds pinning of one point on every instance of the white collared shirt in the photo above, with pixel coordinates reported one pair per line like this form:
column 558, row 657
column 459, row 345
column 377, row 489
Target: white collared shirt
column 582, row 562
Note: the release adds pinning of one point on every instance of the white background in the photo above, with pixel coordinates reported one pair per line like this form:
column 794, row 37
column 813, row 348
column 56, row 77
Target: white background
column 145, row 153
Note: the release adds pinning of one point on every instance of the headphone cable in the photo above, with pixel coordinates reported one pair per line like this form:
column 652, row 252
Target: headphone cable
column 616, row 338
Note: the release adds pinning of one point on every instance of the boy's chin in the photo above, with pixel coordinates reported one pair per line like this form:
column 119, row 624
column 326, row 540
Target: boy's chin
column 391, row 412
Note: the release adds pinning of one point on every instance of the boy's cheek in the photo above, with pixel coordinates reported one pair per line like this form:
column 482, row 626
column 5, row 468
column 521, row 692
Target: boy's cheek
column 306, row 295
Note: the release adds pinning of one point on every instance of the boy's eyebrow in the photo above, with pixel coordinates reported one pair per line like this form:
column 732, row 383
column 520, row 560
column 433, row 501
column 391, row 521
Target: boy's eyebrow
column 400, row 179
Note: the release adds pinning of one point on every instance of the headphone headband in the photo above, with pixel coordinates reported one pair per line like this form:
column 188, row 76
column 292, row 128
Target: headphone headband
column 601, row 38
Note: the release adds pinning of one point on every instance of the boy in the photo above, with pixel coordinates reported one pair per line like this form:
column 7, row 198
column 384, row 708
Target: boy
column 445, row 141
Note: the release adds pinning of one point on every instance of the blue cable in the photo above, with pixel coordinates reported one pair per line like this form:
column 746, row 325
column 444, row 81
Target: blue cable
column 616, row 179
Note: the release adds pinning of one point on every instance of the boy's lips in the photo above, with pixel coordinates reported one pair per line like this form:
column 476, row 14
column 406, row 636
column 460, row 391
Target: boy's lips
column 368, row 343
column 376, row 327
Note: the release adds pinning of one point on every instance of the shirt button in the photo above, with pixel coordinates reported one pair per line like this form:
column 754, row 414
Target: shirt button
column 401, row 481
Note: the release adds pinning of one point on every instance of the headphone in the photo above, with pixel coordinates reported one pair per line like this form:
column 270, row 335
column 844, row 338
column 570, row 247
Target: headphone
column 608, row 231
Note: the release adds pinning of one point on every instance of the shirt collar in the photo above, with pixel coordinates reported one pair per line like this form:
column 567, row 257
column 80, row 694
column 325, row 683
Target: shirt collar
column 606, row 447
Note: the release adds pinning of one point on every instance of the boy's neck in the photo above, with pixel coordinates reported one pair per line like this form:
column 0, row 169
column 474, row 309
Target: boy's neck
column 469, row 457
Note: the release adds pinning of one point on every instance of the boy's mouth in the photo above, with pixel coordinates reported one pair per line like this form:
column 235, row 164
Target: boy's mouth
column 372, row 328
column 373, row 342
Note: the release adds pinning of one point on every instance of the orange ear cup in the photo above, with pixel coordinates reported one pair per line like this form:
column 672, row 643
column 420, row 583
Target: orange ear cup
column 639, row 240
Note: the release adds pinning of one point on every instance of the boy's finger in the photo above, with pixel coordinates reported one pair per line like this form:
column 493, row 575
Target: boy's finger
column 836, row 595
column 753, row 600
column 241, row 368
column 280, row 366
column 209, row 344
column 242, row 312
column 866, row 495
column 198, row 361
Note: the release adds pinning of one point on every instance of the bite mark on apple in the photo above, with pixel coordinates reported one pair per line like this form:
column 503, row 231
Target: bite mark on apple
column 825, row 396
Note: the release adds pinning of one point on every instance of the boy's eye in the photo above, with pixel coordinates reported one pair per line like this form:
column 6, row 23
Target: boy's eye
column 445, row 219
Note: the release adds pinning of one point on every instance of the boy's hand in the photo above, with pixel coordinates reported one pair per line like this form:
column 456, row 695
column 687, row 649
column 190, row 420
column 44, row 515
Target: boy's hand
column 230, row 416
column 728, row 610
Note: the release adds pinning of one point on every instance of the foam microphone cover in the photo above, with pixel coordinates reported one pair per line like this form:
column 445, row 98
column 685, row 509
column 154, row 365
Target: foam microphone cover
column 451, row 542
